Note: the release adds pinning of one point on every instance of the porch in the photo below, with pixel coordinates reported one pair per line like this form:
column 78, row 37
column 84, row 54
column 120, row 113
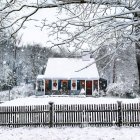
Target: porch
column 67, row 87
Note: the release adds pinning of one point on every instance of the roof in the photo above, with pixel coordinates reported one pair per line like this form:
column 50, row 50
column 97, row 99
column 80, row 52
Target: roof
column 65, row 68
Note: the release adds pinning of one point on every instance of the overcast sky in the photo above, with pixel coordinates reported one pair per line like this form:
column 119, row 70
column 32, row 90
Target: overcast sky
column 31, row 33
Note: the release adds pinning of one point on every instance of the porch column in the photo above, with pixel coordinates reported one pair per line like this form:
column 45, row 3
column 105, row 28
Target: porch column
column 76, row 84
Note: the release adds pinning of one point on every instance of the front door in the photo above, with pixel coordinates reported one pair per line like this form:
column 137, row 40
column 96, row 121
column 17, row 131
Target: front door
column 88, row 87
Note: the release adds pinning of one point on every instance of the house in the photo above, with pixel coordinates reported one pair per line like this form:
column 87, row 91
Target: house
column 69, row 76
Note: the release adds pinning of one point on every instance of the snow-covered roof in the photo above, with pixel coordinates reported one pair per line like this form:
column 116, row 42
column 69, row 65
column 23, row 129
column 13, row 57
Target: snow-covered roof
column 66, row 68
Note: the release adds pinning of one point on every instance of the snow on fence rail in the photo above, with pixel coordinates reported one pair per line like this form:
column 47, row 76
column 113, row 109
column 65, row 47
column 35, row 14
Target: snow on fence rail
column 71, row 115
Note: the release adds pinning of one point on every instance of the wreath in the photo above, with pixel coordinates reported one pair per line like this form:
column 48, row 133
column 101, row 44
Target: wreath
column 95, row 83
column 74, row 85
column 83, row 84
column 55, row 84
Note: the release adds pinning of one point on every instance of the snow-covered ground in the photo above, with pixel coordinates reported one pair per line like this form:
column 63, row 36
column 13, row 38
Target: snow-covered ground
column 67, row 133
column 87, row 133
column 44, row 100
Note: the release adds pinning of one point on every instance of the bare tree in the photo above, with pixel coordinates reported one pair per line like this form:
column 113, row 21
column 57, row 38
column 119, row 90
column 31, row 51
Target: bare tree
column 93, row 22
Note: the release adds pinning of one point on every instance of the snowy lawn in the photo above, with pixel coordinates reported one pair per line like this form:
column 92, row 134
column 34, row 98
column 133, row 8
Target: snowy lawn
column 44, row 100
column 87, row 133
column 68, row 133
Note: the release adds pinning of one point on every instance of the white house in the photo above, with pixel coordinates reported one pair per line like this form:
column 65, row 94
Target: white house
column 69, row 76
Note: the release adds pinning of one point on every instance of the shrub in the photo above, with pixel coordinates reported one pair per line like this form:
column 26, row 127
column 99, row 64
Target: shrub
column 121, row 90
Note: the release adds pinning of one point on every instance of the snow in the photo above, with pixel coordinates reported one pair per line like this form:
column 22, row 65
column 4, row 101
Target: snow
column 82, row 91
column 65, row 133
column 80, row 99
column 57, row 66
column 68, row 133
column 24, row 90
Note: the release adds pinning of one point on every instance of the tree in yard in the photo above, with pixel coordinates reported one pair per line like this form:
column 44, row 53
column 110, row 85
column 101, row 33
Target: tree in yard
column 6, row 73
column 7, row 80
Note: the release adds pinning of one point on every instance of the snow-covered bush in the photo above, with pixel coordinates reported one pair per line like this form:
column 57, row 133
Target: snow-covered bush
column 121, row 90
column 22, row 91
column 17, row 92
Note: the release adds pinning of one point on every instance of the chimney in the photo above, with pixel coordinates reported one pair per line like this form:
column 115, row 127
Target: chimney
column 86, row 55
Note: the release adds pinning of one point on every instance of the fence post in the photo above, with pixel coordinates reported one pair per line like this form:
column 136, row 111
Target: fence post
column 119, row 113
column 51, row 113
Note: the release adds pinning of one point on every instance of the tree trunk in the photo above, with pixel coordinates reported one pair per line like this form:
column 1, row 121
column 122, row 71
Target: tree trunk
column 137, row 15
column 14, row 64
column 138, row 61
column 114, row 71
